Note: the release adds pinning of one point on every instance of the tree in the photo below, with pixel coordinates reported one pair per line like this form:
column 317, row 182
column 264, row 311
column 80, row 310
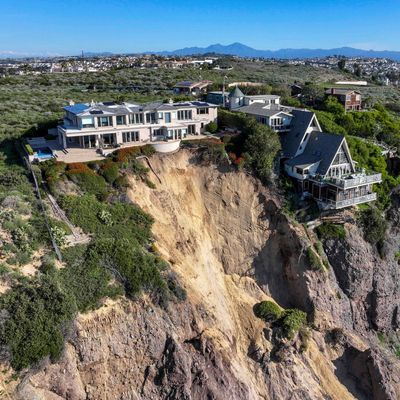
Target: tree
column 357, row 70
column 312, row 93
column 332, row 105
column 342, row 64
column 212, row 127
column 261, row 147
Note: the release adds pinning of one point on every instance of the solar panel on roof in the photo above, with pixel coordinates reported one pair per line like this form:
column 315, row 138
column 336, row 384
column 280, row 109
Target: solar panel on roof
column 109, row 103
column 77, row 108
column 96, row 112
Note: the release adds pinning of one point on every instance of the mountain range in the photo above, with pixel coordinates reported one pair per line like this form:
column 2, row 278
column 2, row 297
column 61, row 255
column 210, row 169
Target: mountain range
column 241, row 50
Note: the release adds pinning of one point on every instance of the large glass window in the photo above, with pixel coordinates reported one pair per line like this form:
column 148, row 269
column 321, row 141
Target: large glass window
column 341, row 157
column 104, row 121
column 184, row 114
column 87, row 122
column 137, row 118
column 276, row 121
column 151, row 118
column 121, row 120
column 203, row 110
column 108, row 139
column 167, row 117
column 158, row 132
column 130, row 136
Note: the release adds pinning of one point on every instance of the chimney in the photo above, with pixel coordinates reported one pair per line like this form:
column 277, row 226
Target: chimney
column 170, row 101
column 71, row 102
column 92, row 103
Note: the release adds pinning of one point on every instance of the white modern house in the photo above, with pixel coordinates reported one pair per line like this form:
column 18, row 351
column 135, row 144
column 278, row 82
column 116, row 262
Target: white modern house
column 109, row 124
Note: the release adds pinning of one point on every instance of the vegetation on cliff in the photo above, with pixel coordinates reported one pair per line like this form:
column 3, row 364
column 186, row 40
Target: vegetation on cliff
column 257, row 144
column 118, row 260
column 289, row 321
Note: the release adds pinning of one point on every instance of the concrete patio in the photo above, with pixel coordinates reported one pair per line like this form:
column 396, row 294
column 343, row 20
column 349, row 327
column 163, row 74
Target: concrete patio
column 77, row 154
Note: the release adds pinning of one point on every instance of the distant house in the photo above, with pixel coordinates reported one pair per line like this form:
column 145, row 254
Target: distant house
column 191, row 88
column 217, row 97
column 237, row 99
column 349, row 98
column 276, row 117
column 296, row 90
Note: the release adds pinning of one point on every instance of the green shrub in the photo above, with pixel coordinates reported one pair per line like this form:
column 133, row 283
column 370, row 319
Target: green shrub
column 292, row 321
column 60, row 224
column 328, row 230
column 148, row 150
column 110, row 171
column 4, row 269
column 90, row 183
column 137, row 269
column 122, row 182
column 374, row 225
column 29, row 149
column 86, row 279
column 212, row 127
column 214, row 152
column 150, row 184
column 59, row 236
column 37, row 312
column 314, row 260
column 47, row 264
column 319, row 249
column 128, row 219
column 138, row 168
column 105, row 217
column 267, row 310
column 12, row 178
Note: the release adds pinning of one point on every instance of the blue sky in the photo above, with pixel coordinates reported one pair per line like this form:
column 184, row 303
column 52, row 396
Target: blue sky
column 69, row 26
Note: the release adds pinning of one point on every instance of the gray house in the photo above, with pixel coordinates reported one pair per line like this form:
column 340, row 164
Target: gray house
column 320, row 162
column 322, row 165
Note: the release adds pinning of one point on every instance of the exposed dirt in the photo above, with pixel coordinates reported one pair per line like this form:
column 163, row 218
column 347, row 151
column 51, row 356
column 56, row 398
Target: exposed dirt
column 230, row 246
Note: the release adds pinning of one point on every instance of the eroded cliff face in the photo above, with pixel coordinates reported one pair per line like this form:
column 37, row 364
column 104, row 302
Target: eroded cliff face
column 230, row 246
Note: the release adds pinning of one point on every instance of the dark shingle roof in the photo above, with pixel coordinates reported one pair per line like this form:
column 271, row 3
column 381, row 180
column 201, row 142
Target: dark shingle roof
column 321, row 147
column 291, row 140
column 341, row 91
column 236, row 93
column 261, row 109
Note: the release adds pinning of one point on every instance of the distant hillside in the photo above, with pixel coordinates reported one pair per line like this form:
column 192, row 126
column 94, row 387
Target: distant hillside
column 241, row 50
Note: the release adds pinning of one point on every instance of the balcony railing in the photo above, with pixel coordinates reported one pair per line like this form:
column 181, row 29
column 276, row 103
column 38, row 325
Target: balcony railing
column 331, row 204
column 351, row 180
column 280, row 128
